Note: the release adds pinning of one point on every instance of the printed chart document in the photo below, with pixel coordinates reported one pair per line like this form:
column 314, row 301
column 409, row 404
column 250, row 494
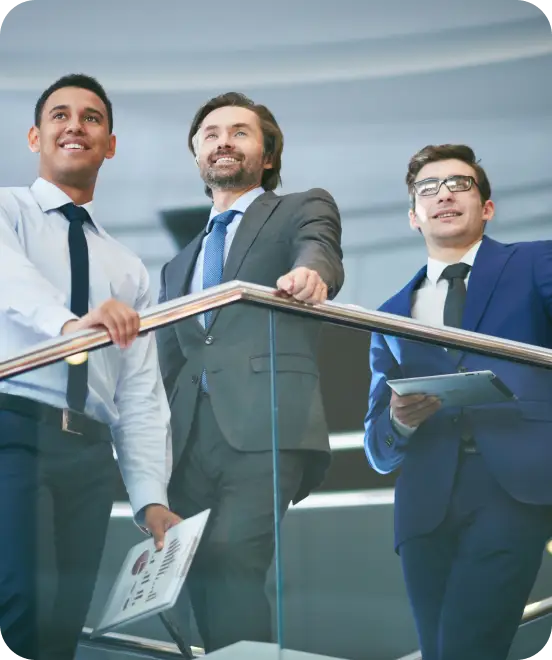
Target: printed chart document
column 150, row 581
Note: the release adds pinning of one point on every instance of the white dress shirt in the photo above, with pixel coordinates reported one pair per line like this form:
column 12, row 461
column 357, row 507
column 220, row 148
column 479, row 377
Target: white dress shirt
column 240, row 206
column 428, row 304
column 125, row 389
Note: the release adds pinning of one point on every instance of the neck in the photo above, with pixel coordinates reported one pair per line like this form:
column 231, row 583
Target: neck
column 223, row 199
column 79, row 194
column 450, row 254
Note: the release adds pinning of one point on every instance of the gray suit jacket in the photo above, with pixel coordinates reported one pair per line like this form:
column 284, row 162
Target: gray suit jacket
column 276, row 234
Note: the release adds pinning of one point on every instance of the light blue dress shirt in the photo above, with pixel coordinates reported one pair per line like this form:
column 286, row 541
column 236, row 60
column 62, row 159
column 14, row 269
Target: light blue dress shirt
column 125, row 387
column 240, row 206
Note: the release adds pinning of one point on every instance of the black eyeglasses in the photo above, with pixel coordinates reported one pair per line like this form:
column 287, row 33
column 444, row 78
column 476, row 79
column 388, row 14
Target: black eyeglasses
column 457, row 183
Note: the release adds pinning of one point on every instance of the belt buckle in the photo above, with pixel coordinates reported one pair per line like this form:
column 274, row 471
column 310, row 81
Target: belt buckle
column 66, row 418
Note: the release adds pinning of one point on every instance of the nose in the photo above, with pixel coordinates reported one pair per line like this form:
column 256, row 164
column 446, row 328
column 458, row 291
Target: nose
column 74, row 125
column 444, row 194
column 224, row 141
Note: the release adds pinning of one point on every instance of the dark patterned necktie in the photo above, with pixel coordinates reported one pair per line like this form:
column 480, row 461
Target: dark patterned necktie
column 77, row 384
column 456, row 295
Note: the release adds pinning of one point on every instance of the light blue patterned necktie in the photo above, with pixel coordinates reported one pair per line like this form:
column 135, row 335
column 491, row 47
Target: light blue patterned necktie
column 213, row 259
column 213, row 263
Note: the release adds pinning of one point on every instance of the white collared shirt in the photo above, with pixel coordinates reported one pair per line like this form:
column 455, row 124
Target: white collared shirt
column 428, row 302
column 125, row 387
column 240, row 206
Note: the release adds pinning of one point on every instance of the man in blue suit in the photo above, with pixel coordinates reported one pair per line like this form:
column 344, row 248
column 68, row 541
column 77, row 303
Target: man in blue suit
column 473, row 502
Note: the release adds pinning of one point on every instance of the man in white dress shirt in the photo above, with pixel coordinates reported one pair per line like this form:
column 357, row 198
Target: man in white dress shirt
column 61, row 272
column 473, row 503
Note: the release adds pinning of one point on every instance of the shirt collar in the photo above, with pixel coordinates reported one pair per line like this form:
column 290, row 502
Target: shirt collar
column 435, row 268
column 240, row 205
column 49, row 197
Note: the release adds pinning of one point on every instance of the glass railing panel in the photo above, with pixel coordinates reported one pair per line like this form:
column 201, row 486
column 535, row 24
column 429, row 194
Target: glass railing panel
column 344, row 589
column 217, row 383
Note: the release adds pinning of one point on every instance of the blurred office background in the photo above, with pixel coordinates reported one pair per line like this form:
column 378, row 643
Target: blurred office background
column 357, row 86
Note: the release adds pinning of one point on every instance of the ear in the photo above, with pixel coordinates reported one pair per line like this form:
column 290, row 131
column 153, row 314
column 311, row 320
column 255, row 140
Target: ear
column 413, row 220
column 112, row 147
column 488, row 210
column 268, row 163
column 33, row 139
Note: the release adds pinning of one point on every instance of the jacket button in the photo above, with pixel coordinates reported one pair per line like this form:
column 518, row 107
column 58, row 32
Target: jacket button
column 455, row 419
column 389, row 440
column 209, row 340
column 195, row 380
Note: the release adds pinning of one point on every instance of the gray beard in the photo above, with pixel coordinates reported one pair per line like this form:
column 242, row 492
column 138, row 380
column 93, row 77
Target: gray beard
column 241, row 179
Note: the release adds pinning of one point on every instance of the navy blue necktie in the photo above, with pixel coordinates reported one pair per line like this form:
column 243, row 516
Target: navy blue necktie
column 213, row 259
column 456, row 294
column 77, row 384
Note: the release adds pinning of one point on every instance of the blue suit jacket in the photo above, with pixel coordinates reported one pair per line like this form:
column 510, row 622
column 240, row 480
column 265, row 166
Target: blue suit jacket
column 510, row 296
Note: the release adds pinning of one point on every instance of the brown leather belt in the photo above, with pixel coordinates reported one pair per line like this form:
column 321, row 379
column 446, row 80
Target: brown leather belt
column 67, row 420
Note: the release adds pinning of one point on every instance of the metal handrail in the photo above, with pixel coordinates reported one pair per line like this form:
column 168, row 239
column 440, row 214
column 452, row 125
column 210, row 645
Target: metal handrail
column 350, row 316
column 532, row 612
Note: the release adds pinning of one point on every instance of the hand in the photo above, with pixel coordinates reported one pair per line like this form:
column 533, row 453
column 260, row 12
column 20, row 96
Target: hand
column 158, row 519
column 413, row 409
column 121, row 322
column 304, row 285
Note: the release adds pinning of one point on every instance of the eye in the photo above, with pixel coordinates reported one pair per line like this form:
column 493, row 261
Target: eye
column 210, row 135
column 59, row 115
column 241, row 133
column 92, row 118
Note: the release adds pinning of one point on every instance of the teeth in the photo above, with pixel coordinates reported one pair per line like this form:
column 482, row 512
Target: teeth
column 225, row 159
column 448, row 215
column 73, row 146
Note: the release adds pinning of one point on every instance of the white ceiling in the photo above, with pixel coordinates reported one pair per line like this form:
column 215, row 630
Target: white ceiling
column 357, row 86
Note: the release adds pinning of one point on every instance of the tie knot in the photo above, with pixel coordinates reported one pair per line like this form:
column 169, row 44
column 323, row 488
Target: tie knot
column 456, row 271
column 75, row 213
column 224, row 218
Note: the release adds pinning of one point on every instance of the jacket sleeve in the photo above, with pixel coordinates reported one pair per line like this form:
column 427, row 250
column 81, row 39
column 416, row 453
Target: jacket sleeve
column 384, row 446
column 316, row 243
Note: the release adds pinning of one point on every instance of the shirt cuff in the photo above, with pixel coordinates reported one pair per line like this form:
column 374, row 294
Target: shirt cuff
column 56, row 320
column 144, row 494
column 402, row 429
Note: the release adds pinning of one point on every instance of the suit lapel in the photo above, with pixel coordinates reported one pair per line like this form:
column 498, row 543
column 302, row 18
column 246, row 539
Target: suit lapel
column 487, row 268
column 186, row 263
column 251, row 224
column 402, row 303
column 179, row 278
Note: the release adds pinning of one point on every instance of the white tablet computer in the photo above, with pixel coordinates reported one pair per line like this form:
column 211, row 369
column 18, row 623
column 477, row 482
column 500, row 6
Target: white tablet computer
column 471, row 388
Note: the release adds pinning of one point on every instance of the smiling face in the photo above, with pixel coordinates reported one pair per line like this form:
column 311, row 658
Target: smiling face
column 450, row 219
column 229, row 149
column 73, row 138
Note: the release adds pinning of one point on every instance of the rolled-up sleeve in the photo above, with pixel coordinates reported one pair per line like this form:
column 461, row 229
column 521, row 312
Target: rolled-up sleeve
column 26, row 296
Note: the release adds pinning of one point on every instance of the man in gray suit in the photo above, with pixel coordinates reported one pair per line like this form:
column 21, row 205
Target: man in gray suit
column 216, row 367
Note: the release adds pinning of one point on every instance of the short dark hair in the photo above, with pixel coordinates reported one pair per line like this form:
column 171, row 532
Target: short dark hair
column 273, row 137
column 434, row 153
column 81, row 81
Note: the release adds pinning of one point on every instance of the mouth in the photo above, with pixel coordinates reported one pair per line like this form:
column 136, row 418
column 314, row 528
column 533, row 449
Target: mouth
column 74, row 146
column 446, row 215
column 225, row 160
